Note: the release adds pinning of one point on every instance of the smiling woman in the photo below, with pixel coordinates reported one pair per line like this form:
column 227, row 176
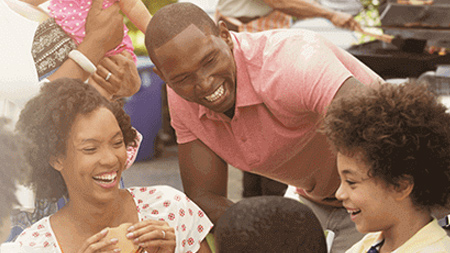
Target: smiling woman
column 78, row 149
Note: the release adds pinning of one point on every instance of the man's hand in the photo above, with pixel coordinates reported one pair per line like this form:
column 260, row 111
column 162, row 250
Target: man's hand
column 344, row 20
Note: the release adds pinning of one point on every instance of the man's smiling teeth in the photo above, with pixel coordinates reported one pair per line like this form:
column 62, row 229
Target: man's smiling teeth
column 107, row 177
column 216, row 95
column 353, row 211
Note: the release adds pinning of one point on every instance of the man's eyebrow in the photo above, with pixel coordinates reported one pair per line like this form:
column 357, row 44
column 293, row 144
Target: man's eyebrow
column 212, row 52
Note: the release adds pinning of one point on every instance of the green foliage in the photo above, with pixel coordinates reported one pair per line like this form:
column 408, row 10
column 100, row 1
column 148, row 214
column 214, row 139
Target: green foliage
column 137, row 37
column 369, row 18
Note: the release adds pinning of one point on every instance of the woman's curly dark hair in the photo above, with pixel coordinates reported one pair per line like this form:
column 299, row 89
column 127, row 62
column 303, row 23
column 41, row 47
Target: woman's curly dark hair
column 46, row 121
column 402, row 132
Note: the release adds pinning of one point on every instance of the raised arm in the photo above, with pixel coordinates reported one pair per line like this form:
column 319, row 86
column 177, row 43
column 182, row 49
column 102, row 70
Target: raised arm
column 310, row 9
column 136, row 11
column 205, row 178
column 34, row 2
column 104, row 31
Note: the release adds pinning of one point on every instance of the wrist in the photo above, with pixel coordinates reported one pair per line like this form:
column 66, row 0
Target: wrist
column 82, row 61
column 92, row 49
column 329, row 15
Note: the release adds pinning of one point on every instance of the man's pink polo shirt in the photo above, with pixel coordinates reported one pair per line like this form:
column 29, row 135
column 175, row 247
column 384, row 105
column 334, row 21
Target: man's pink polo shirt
column 285, row 81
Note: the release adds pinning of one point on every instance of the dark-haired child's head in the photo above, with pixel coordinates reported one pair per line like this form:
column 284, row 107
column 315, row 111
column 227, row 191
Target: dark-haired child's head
column 269, row 224
column 393, row 146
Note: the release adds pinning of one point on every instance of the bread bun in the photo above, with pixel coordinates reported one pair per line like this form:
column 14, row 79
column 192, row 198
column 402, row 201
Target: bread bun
column 126, row 245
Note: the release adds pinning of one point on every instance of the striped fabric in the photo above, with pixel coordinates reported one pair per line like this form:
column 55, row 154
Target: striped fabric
column 273, row 20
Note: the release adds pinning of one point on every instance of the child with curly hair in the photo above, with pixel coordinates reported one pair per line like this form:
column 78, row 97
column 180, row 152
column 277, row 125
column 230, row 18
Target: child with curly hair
column 393, row 158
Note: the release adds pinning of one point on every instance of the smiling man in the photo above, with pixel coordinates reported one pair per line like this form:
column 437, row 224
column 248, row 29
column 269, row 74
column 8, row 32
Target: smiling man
column 254, row 101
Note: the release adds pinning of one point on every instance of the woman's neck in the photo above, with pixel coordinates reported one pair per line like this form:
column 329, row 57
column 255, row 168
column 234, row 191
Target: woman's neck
column 80, row 219
column 96, row 216
column 409, row 223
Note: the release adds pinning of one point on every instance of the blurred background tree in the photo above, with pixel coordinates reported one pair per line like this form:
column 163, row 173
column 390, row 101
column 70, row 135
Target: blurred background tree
column 369, row 18
column 137, row 36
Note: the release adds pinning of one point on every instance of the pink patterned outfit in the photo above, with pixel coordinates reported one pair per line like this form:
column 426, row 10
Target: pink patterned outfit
column 71, row 16
column 156, row 203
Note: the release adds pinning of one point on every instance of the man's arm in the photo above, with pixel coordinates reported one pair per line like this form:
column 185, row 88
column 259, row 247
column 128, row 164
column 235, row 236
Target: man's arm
column 348, row 87
column 205, row 178
column 309, row 9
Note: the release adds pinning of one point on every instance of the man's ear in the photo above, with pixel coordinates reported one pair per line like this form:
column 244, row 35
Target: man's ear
column 159, row 73
column 56, row 163
column 224, row 34
column 404, row 188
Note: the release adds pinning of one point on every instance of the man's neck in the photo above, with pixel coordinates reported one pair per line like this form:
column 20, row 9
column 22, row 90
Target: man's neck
column 230, row 112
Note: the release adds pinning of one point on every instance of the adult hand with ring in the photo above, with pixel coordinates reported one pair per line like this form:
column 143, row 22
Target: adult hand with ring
column 154, row 236
column 124, row 80
column 108, row 76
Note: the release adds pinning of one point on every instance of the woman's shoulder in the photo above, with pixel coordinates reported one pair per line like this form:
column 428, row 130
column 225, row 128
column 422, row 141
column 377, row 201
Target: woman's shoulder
column 155, row 189
column 163, row 202
column 157, row 194
column 38, row 237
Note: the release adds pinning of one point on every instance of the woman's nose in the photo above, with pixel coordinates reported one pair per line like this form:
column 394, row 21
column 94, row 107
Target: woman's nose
column 109, row 157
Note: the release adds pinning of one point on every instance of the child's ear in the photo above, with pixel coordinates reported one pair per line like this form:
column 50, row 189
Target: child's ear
column 56, row 163
column 404, row 187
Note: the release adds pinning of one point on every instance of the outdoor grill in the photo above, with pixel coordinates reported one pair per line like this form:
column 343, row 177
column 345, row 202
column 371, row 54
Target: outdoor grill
column 424, row 21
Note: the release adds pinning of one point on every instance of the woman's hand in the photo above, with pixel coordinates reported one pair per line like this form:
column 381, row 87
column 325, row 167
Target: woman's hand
column 123, row 80
column 98, row 243
column 154, row 236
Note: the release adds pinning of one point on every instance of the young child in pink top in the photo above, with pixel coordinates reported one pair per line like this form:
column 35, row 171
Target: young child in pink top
column 71, row 16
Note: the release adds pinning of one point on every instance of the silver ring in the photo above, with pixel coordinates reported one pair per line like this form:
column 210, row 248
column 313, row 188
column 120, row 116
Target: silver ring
column 108, row 76
column 164, row 234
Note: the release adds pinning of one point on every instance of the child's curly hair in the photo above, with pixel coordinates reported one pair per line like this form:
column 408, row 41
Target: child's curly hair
column 402, row 132
column 46, row 121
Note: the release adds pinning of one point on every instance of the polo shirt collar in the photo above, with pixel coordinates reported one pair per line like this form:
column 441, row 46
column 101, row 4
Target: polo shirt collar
column 245, row 93
column 427, row 235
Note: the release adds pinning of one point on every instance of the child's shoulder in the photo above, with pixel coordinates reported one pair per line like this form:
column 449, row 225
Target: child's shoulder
column 364, row 244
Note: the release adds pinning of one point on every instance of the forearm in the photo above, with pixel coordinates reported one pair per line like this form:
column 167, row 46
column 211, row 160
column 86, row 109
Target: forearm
column 136, row 11
column 300, row 8
column 214, row 205
column 34, row 2
column 72, row 70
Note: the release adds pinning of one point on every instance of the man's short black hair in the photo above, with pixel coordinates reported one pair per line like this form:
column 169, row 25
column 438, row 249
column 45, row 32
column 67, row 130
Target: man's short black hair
column 269, row 224
column 171, row 20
